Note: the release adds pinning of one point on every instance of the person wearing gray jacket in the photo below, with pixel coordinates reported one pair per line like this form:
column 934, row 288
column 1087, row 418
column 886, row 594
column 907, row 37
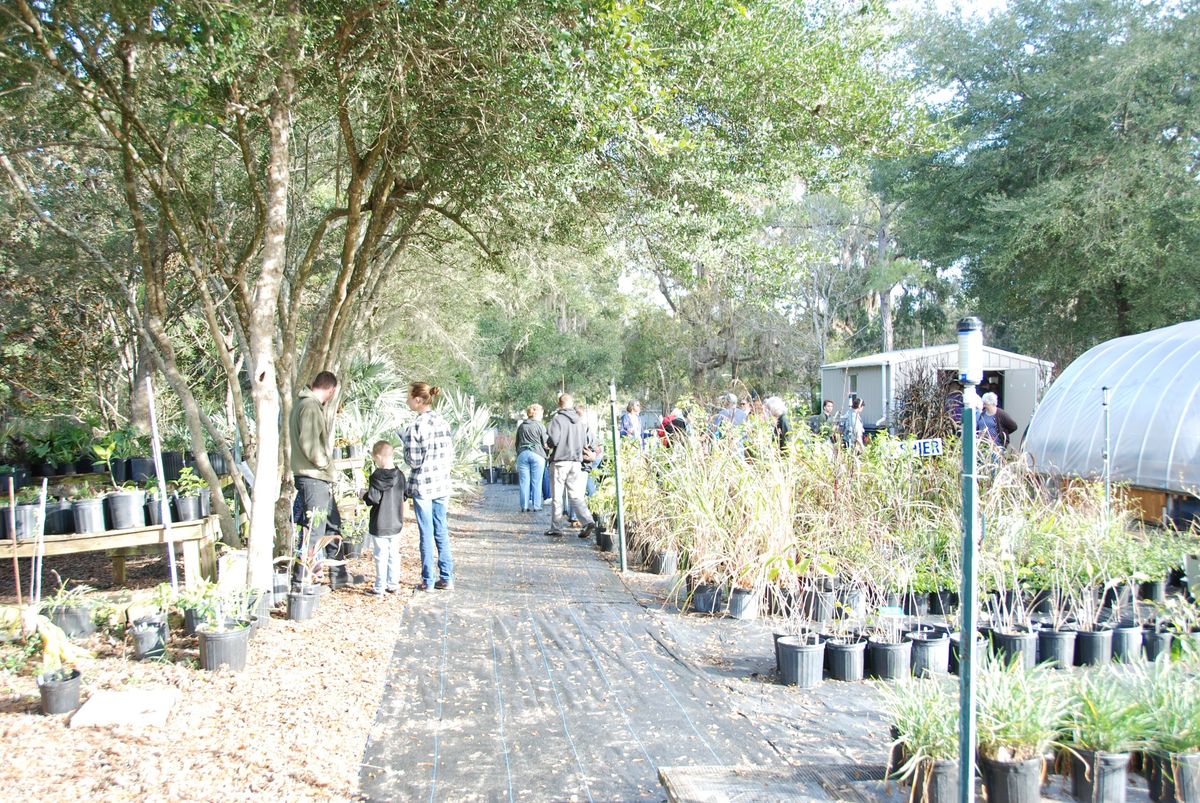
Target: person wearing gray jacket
column 566, row 436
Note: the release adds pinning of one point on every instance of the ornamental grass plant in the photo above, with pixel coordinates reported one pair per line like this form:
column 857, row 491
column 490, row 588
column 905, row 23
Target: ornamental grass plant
column 1021, row 711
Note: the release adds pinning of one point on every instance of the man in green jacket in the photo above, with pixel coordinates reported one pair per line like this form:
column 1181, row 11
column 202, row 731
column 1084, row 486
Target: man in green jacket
column 312, row 465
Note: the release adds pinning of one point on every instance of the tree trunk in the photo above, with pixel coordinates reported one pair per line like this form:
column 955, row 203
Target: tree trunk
column 264, row 389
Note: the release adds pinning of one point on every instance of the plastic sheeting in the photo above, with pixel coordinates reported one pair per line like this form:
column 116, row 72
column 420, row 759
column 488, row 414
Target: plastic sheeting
column 1154, row 397
column 540, row 678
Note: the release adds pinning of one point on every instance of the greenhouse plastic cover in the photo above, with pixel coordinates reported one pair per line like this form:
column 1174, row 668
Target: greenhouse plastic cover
column 1154, row 397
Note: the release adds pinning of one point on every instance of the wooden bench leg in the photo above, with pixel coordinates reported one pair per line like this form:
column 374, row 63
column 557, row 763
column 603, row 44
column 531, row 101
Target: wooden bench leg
column 191, row 564
column 118, row 560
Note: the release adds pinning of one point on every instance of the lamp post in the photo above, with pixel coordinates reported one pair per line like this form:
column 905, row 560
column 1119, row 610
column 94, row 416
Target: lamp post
column 970, row 373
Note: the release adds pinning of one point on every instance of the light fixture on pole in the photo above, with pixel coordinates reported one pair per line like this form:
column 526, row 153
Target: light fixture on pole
column 970, row 373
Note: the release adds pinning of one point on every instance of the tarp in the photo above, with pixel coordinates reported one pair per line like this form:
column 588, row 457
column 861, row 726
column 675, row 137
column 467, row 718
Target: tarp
column 1154, row 411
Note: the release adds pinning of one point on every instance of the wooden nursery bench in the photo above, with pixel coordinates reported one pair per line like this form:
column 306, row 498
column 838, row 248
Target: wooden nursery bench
column 197, row 541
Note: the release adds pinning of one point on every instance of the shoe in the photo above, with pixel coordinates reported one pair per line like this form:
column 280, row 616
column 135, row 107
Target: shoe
column 423, row 587
column 554, row 533
column 587, row 531
column 377, row 592
column 392, row 590
column 444, row 585
column 573, row 522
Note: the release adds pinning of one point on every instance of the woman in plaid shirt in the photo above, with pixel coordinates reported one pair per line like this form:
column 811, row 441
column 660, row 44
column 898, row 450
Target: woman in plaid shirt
column 428, row 449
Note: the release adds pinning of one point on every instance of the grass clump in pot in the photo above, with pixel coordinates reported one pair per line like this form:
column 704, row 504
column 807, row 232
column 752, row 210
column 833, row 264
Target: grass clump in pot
column 1021, row 711
column 925, row 716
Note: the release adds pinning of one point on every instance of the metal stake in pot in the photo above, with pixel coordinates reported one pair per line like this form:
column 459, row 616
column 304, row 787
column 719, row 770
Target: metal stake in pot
column 616, row 442
column 12, row 530
column 163, row 502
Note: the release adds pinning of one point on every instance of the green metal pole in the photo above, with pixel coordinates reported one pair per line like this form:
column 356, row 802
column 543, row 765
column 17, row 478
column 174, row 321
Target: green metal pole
column 616, row 443
column 970, row 373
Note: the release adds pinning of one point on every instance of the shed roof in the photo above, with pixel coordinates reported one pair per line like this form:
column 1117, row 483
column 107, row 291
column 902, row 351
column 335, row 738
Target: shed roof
column 1154, row 412
column 944, row 357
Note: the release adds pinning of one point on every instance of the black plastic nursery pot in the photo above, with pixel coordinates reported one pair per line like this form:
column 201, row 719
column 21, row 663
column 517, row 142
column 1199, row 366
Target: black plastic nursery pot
column 1056, row 647
column 1127, row 644
column 1154, row 591
column 1093, row 647
column 26, row 521
column 154, row 509
column 141, row 469
column 1012, row 781
column 930, row 653
column 1184, row 772
column 801, row 661
column 851, row 603
column 915, row 604
column 60, row 517
column 936, row 782
column 942, row 603
column 706, row 598
column 665, row 562
column 119, row 468
column 126, row 509
column 981, row 645
column 60, row 691
column 223, row 648
column 302, row 605
column 75, row 620
column 89, row 515
column 604, row 540
column 887, row 660
column 172, row 463
column 192, row 618
column 818, row 606
column 743, row 604
column 1155, row 643
column 187, row 508
column 150, row 637
column 1098, row 777
column 845, row 658
column 1016, row 646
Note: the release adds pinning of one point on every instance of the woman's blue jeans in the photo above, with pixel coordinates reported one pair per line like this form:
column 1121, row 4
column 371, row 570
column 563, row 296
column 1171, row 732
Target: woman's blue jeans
column 431, row 524
column 531, row 467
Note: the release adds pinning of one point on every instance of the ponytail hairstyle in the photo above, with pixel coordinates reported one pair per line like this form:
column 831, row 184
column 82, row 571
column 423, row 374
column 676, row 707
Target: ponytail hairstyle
column 424, row 392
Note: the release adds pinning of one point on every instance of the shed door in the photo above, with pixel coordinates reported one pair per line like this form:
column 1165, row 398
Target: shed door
column 1020, row 397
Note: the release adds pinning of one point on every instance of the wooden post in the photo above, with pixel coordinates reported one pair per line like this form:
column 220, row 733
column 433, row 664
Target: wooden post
column 164, row 503
column 12, row 531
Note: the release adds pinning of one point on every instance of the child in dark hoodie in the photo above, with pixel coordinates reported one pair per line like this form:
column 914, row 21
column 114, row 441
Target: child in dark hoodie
column 385, row 497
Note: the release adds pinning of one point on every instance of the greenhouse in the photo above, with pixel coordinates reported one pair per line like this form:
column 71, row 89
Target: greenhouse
column 1154, row 433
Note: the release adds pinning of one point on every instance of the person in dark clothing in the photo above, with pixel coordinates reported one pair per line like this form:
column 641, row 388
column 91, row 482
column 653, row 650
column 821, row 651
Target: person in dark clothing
column 778, row 410
column 385, row 497
column 824, row 423
column 566, row 436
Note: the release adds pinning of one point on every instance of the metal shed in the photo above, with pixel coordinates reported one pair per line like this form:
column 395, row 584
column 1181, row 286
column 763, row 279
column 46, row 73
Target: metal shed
column 1017, row 379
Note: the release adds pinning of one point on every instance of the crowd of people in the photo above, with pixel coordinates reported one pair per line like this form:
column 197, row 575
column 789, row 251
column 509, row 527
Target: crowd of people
column 554, row 461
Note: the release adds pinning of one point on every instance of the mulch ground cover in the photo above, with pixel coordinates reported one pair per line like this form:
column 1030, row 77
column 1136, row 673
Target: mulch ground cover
column 291, row 726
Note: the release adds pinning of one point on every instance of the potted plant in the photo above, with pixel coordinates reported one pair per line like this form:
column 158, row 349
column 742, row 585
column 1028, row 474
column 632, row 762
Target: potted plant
column 1105, row 723
column 25, row 515
column 70, row 610
column 924, row 717
column 198, row 605
column 223, row 643
column 354, row 531
column 88, row 507
column 1020, row 715
column 1169, row 694
column 187, row 495
column 1093, row 640
column 59, row 689
column 126, row 507
column 151, row 631
column 889, row 654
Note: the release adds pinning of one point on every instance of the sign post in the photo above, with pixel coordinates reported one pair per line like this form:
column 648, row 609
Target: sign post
column 970, row 373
